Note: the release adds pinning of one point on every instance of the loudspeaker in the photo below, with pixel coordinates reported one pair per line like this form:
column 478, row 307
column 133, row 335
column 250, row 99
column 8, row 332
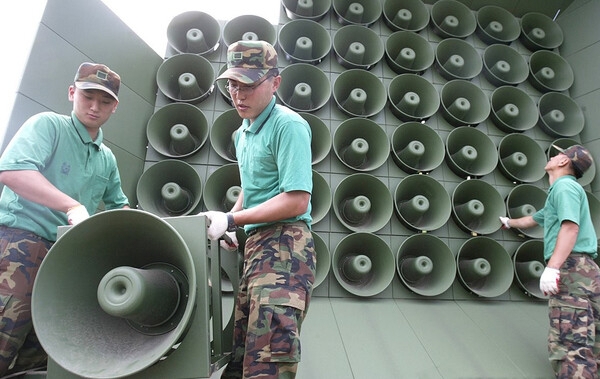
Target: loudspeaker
column 194, row 32
column 223, row 187
column 559, row 115
column 521, row 159
column 323, row 260
column 177, row 130
column 249, row 28
column 463, row 103
column 304, row 41
column 484, row 267
column 320, row 144
column 169, row 187
column 223, row 132
column 359, row 93
column 361, row 144
column 449, row 18
column 550, row 72
column 416, row 148
column 408, row 52
column 304, row 88
column 426, row 265
column 359, row 12
column 412, row 97
column 306, row 9
column 422, row 203
column 457, row 59
column 497, row 25
column 362, row 203
column 476, row 206
column 470, row 152
column 409, row 15
column 363, row 264
column 513, row 110
column 504, row 65
column 221, row 85
column 594, row 203
column 539, row 31
column 565, row 143
column 186, row 77
column 525, row 200
column 356, row 46
column 321, row 197
column 528, row 261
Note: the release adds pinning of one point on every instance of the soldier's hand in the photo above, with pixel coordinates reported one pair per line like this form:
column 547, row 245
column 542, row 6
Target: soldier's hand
column 229, row 241
column 217, row 224
column 77, row 214
column 549, row 281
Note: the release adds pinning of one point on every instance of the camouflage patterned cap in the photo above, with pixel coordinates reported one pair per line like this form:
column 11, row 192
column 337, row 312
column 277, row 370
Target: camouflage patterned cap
column 98, row 76
column 580, row 157
column 248, row 61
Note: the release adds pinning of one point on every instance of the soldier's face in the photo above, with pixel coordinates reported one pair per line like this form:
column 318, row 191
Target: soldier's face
column 91, row 106
column 251, row 100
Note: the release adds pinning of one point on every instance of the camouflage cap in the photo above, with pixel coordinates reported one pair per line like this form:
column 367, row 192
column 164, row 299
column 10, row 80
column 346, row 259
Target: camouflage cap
column 98, row 76
column 580, row 157
column 249, row 61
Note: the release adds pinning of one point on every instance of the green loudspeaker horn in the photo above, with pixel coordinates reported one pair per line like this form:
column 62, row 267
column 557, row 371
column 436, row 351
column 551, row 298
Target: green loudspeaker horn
column 539, row 31
column 426, row 265
column 497, row 25
column 306, row 9
column 221, row 86
column 223, row 187
column 550, row 72
column 321, row 197
column 484, row 267
column 456, row 59
column 363, row 203
column 361, row 144
column 408, row 52
column 357, row 47
column 359, row 93
column 304, row 41
column 463, row 103
column 476, row 206
column 412, row 97
column 194, row 32
column 504, row 65
column 363, row 264
column 470, row 152
column 422, row 203
column 449, row 18
column 594, row 210
column 186, row 77
column 528, row 261
column 521, row 159
column 525, row 200
column 359, row 12
column 223, row 132
column 321, row 141
column 513, row 110
column 177, row 130
column 169, row 188
column 304, row 87
column 323, row 260
column 409, row 15
column 249, row 28
column 564, row 143
column 417, row 148
column 559, row 115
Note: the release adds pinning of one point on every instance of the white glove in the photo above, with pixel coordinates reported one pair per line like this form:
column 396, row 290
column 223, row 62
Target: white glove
column 217, row 224
column 230, row 241
column 549, row 281
column 77, row 214
column 504, row 221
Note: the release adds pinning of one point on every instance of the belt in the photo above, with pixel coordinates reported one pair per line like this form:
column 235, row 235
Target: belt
column 252, row 232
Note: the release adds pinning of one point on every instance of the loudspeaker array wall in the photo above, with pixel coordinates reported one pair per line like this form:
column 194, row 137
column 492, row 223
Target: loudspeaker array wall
column 429, row 121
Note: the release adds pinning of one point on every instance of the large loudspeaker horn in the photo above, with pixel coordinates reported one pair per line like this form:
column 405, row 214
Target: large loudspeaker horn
column 550, row 72
column 594, row 203
column 422, row 203
column 426, row 265
column 521, row 159
column 223, row 132
column 323, row 260
column 559, row 115
column 249, row 28
column 194, row 32
column 357, row 47
column 408, row 52
column 359, row 93
column 304, row 87
column 221, row 85
column 484, row 267
column 321, row 197
column 177, row 130
column 223, row 187
column 525, row 200
column 470, row 152
column 497, row 25
column 186, row 77
column 528, row 261
column 304, row 41
column 359, row 12
column 416, row 148
column 504, row 65
column 363, row 203
column 457, row 59
column 564, row 143
column 412, row 97
column 306, row 9
column 409, row 15
column 361, row 144
column 476, row 206
column 363, row 264
column 450, row 18
column 513, row 110
column 321, row 141
column 169, row 187
column 539, row 31
column 463, row 103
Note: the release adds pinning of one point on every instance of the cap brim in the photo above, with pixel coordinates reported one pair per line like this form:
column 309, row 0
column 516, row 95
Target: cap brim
column 561, row 150
column 88, row 85
column 243, row 75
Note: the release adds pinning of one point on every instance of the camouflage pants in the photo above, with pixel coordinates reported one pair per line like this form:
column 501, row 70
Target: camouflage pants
column 273, row 298
column 21, row 254
column 574, row 337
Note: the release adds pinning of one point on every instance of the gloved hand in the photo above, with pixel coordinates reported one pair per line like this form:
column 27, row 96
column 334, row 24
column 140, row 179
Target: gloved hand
column 549, row 281
column 230, row 241
column 217, row 224
column 77, row 214
column 504, row 221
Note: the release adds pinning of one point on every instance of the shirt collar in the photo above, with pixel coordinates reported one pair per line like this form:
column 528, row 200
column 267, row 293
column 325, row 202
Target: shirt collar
column 83, row 133
column 564, row 177
column 261, row 119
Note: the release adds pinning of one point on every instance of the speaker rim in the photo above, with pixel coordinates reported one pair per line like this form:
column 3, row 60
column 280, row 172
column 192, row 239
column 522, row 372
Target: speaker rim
column 507, row 146
column 189, row 17
column 370, row 40
column 360, row 76
column 417, row 7
column 375, row 14
column 498, row 208
column 536, row 231
column 426, row 52
column 316, row 17
column 438, row 147
column 445, row 5
column 375, row 133
column 510, row 20
column 548, row 22
column 471, row 57
column 536, row 292
column 528, row 104
column 323, row 38
column 270, row 36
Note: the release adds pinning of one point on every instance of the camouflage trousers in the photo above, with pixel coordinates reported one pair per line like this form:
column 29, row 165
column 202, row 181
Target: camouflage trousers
column 574, row 337
column 273, row 298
